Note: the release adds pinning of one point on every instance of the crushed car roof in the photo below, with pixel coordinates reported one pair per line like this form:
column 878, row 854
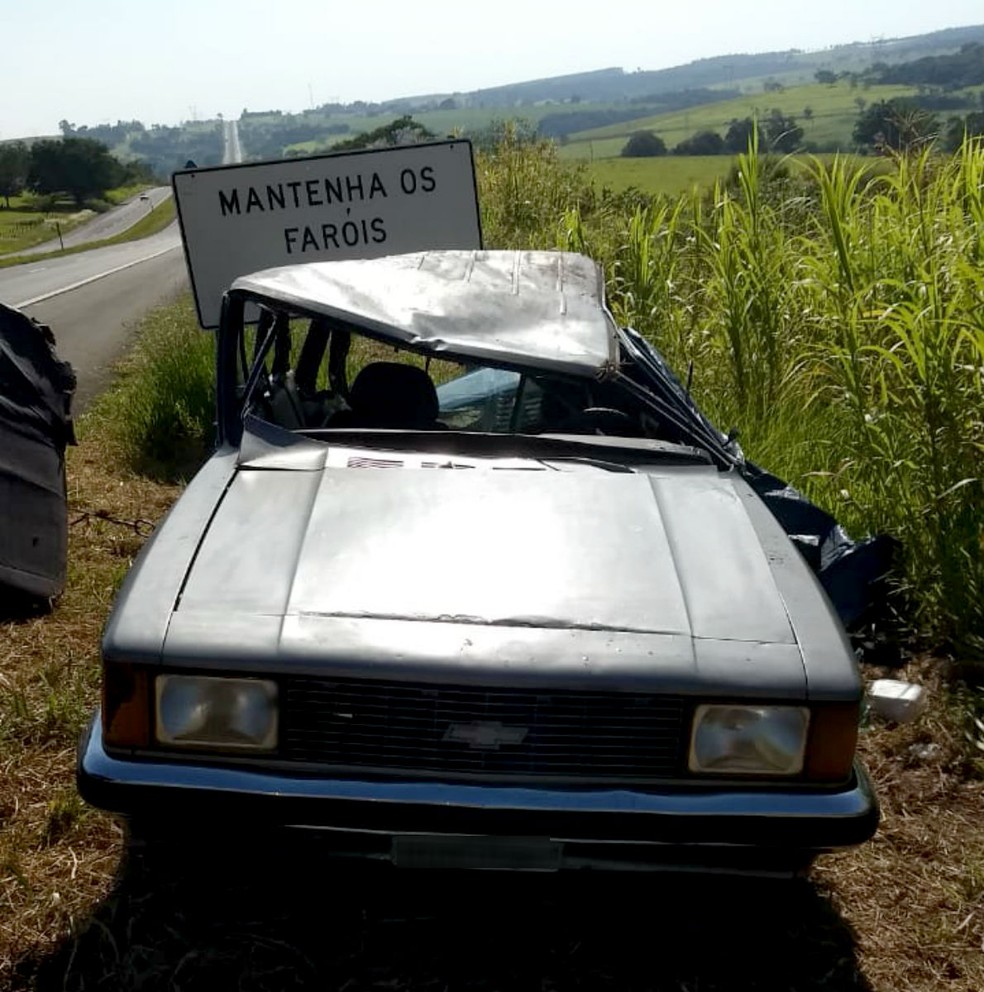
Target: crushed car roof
column 535, row 308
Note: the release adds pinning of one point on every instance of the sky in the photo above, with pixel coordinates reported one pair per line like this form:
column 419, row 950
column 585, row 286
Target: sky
column 99, row 61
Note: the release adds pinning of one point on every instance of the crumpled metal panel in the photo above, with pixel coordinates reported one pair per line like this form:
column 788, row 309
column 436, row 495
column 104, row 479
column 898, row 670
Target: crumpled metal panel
column 539, row 309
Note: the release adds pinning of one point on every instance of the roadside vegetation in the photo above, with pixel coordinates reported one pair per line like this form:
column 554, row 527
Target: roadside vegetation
column 154, row 221
column 834, row 318
column 830, row 114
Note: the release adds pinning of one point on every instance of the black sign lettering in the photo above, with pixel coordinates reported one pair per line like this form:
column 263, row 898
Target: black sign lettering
column 410, row 183
column 314, row 192
column 333, row 190
column 230, row 203
column 331, row 236
column 376, row 186
column 351, row 186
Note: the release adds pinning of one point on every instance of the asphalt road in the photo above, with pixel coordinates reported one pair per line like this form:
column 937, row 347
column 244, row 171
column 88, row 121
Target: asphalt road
column 233, row 151
column 109, row 224
column 92, row 300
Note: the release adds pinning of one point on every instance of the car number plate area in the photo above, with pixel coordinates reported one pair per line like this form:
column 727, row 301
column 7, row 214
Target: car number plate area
column 454, row 851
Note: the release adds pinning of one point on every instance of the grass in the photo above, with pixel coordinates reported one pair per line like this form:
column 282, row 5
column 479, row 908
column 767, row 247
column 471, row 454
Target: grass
column 673, row 175
column 903, row 913
column 161, row 412
column 836, row 323
column 153, row 222
column 24, row 226
column 123, row 193
column 668, row 175
column 804, row 314
column 834, row 112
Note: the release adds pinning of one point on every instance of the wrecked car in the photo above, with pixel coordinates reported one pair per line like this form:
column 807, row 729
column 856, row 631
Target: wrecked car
column 470, row 581
column 36, row 391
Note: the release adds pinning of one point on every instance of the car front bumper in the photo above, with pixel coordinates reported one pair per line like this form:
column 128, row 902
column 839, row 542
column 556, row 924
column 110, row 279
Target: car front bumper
column 762, row 831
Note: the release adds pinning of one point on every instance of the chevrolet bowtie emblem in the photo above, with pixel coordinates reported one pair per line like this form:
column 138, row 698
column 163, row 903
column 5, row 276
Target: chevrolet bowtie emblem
column 487, row 736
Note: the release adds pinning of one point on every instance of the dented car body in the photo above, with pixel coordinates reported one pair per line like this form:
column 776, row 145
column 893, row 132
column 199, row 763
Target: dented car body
column 540, row 615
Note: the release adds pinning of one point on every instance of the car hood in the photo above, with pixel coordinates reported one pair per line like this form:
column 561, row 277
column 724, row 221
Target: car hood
column 667, row 553
column 505, row 570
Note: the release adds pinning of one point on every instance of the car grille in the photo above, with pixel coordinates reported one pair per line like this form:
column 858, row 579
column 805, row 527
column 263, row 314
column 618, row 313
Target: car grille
column 466, row 730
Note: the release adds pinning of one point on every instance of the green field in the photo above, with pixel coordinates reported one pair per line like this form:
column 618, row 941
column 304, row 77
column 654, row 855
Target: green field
column 834, row 110
column 24, row 225
column 156, row 220
column 668, row 174
column 444, row 123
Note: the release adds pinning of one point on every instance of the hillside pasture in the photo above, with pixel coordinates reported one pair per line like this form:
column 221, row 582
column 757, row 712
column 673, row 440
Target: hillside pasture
column 834, row 110
column 668, row 175
column 31, row 220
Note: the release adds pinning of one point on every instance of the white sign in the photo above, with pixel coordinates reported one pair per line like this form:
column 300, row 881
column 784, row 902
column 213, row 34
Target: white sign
column 238, row 219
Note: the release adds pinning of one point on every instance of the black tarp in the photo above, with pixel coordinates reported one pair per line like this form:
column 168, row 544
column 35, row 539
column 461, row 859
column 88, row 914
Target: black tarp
column 36, row 390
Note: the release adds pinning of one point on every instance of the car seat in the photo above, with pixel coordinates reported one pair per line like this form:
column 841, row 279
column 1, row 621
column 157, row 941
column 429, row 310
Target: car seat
column 390, row 395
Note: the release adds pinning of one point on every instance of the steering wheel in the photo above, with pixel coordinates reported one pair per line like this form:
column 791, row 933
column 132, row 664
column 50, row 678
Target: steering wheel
column 604, row 420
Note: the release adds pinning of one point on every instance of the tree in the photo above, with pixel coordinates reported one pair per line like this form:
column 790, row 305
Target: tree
column 808, row 113
column 825, row 76
column 512, row 132
column 740, row 133
column 81, row 167
column 971, row 126
column 897, row 124
column 701, row 143
column 15, row 163
column 403, row 131
column 782, row 133
column 644, row 144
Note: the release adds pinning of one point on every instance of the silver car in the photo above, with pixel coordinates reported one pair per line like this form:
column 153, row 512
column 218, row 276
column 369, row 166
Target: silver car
column 470, row 581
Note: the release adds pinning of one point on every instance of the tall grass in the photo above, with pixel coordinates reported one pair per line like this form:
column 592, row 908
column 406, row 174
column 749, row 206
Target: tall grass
column 838, row 323
column 161, row 410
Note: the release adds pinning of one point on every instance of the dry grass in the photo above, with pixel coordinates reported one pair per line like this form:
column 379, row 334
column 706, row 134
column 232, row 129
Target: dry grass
column 57, row 857
column 905, row 912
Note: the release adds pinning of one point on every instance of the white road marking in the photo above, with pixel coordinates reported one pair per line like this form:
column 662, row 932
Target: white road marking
column 95, row 278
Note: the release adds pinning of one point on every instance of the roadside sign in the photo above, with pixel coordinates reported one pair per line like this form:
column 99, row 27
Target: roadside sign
column 237, row 219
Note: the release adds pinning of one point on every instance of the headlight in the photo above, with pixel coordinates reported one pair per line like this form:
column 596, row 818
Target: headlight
column 200, row 711
column 749, row 740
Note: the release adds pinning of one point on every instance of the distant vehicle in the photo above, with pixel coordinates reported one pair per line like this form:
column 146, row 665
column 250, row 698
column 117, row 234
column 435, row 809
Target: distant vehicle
column 537, row 616
column 144, row 196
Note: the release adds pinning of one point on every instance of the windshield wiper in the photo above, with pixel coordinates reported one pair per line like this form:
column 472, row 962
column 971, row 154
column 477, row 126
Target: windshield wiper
column 587, row 460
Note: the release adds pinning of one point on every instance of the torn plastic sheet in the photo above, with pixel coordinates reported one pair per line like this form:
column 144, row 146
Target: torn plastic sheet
column 36, row 390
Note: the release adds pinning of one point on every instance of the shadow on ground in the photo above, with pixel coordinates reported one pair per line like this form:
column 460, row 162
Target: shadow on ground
column 295, row 926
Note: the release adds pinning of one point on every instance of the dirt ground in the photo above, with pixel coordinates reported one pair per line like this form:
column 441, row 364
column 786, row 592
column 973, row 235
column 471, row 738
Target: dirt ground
column 904, row 912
